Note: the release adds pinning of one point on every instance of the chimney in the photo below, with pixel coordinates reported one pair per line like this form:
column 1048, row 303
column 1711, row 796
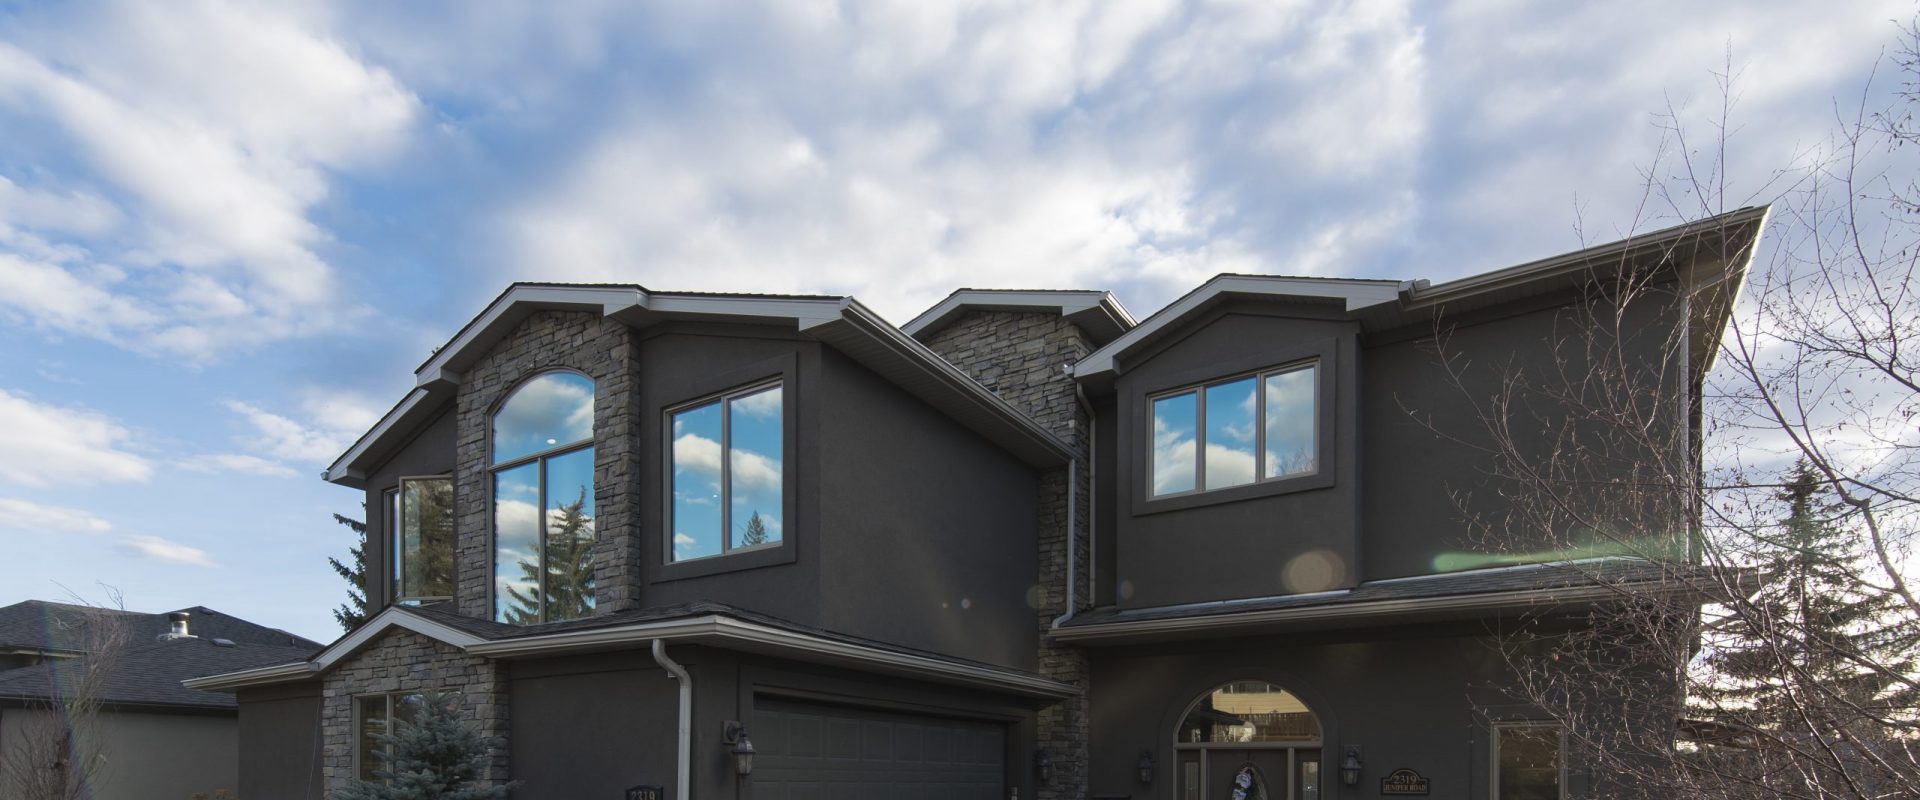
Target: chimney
column 177, row 627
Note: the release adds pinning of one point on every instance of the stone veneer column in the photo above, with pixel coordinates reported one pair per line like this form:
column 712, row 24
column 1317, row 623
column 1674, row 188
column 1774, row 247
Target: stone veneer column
column 403, row 661
column 1023, row 357
column 604, row 350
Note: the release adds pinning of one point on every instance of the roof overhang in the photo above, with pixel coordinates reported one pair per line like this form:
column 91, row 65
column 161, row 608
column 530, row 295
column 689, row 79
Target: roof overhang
column 1374, row 613
column 713, row 630
column 1346, row 294
column 839, row 321
column 1097, row 313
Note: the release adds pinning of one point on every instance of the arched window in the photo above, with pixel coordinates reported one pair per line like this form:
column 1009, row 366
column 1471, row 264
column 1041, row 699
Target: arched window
column 541, row 441
column 1249, row 739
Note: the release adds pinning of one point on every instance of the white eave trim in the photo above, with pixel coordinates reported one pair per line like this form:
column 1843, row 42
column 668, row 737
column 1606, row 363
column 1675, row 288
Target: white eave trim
column 1356, row 294
column 713, row 630
column 732, row 634
column 1361, row 612
column 393, row 617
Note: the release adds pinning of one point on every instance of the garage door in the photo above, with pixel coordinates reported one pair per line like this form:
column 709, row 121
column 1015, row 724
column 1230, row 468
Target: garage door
column 814, row 752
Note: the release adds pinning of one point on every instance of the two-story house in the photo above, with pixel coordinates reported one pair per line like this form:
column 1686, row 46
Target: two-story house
column 755, row 546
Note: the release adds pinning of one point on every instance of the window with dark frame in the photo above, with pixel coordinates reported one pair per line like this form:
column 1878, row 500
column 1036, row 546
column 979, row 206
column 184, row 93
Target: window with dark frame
column 375, row 716
column 726, row 459
column 420, row 514
column 1252, row 428
column 1529, row 760
column 541, row 444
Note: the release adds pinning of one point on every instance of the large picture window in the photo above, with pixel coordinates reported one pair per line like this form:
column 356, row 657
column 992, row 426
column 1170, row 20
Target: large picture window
column 421, row 526
column 1529, row 761
column 727, row 474
column 1258, row 427
column 542, row 445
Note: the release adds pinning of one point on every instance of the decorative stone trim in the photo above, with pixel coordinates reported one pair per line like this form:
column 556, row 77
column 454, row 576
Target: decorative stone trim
column 404, row 661
column 604, row 350
column 1026, row 358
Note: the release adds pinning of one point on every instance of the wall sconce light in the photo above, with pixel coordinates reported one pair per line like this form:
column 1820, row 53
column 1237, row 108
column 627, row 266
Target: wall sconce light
column 1043, row 766
column 1146, row 766
column 1350, row 766
column 735, row 734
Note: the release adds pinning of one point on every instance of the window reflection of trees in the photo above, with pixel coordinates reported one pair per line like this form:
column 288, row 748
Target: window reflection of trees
column 543, row 500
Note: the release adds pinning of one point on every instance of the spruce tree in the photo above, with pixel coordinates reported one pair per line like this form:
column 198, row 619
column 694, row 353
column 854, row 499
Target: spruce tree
column 755, row 533
column 353, row 612
column 1800, row 653
column 433, row 756
column 569, row 569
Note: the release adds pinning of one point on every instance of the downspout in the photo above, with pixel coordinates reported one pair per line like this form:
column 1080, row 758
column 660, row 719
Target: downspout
column 1073, row 505
column 679, row 673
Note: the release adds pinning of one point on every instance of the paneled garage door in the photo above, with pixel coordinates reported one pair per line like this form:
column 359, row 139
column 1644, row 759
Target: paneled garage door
column 815, row 752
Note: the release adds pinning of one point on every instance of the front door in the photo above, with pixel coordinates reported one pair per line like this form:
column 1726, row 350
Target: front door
column 1256, row 774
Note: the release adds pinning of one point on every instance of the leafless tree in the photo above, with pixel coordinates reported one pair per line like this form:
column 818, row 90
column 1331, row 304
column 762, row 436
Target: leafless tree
column 1716, row 668
column 57, row 750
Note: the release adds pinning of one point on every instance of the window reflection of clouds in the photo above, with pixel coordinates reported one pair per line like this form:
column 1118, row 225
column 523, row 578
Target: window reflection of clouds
column 551, row 410
column 739, row 438
column 1291, row 422
column 1230, row 433
column 1173, row 443
column 516, row 530
column 696, row 482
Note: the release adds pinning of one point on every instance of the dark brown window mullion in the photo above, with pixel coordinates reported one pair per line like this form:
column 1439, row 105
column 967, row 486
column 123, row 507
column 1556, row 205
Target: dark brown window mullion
column 540, row 556
column 1200, row 439
column 1260, row 443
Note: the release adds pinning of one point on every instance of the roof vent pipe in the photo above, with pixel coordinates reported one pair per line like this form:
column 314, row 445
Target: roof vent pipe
column 176, row 627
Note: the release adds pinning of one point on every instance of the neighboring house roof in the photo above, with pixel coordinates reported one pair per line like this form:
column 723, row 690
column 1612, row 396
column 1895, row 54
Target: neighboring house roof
column 56, row 628
column 148, row 673
column 1711, row 256
column 1523, row 588
column 839, row 321
column 704, row 623
column 1096, row 312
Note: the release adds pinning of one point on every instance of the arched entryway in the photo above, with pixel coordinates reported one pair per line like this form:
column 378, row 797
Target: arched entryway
column 1248, row 740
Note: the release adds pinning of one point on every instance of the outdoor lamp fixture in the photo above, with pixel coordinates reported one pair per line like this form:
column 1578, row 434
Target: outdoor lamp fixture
column 736, row 734
column 1350, row 766
column 1146, row 766
column 1043, row 766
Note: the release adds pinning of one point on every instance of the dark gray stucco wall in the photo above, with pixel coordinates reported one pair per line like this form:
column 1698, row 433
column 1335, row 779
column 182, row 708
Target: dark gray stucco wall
column 595, row 725
column 1430, row 719
column 429, row 453
column 280, row 741
column 1438, row 501
column 1250, row 541
column 928, row 529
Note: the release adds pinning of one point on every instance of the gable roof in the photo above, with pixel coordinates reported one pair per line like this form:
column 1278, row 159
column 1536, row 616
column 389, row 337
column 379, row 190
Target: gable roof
column 39, row 626
column 1098, row 313
column 705, row 623
column 1710, row 255
column 842, row 322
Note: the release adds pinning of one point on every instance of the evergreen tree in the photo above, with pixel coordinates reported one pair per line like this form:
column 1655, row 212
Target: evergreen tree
column 756, row 532
column 353, row 612
column 433, row 756
column 1815, row 626
column 569, row 569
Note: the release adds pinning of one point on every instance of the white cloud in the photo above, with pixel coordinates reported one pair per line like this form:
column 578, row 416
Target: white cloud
column 219, row 124
column 328, row 422
column 44, row 445
column 155, row 548
column 27, row 515
column 240, row 463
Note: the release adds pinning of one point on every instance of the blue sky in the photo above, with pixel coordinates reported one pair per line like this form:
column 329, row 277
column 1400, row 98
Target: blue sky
column 229, row 231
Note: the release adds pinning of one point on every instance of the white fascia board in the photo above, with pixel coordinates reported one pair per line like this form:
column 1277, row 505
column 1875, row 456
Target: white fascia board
column 342, row 469
column 1065, row 302
column 732, row 634
column 506, row 311
column 393, row 617
column 1356, row 294
column 1388, row 610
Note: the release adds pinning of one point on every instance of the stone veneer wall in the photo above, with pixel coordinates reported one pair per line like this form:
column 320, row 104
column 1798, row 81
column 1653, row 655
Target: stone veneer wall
column 604, row 350
column 1023, row 357
column 403, row 661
